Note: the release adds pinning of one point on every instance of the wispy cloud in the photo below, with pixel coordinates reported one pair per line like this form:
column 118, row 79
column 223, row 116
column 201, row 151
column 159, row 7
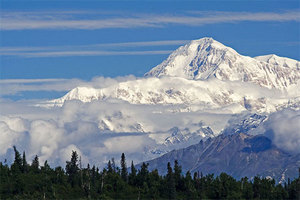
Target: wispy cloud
column 8, row 81
column 104, row 45
column 104, row 49
column 73, row 20
column 17, row 86
column 84, row 53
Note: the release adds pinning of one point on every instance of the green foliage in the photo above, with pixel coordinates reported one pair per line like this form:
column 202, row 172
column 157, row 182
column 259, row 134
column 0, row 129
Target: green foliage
column 171, row 190
column 21, row 181
column 35, row 164
column 124, row 173
column 72, row 169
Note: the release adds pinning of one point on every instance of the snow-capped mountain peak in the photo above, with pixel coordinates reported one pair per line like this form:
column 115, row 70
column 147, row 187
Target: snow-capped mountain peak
column 195, row 60
column 206, row 58
column 210, row 75
column 84, row 94
column 279, row 61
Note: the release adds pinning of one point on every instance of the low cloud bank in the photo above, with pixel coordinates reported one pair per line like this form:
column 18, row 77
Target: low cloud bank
column 283, row 128
column 53, row 133
column 100, row 130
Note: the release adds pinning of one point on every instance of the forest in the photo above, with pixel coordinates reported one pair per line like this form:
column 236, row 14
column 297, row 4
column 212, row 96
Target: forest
column 22, row 180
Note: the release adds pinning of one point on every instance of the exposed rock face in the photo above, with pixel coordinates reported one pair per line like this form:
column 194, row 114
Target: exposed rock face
column 238, row 155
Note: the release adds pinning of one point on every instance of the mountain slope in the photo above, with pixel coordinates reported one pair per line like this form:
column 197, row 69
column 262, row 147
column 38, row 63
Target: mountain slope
column 206, row 58
column 238, row 155
column 206, row 72
column 234, row 97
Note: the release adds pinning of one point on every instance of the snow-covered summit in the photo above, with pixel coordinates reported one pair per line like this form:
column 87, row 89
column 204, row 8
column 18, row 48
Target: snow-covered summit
column 277, row 60
column 84, row 94
column 210, row 75
column 207, row 58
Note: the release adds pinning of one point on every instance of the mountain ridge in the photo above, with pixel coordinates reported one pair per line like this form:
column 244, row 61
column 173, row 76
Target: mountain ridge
column 207, row 58
column 202, row 66
column 238, row 155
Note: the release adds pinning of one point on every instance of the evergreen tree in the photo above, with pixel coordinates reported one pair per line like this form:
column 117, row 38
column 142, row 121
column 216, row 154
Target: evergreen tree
column 189, row 188
column 35, row 164
column 24, row 163
column 177, row 176
column 16, row 169
column 72, row 168
column 46, row 183
column 109, row 167
column 142, row 176
column 171, row 190
column 46, row 167
column 256, row 186
column 17, row 165
column 113, row 164
column 246, row 188
column 132, row 175
column 124, row 173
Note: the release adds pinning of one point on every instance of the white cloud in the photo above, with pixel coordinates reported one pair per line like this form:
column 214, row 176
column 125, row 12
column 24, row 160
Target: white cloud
column 16, row 86
column 53, row 133
column 86, row 127
column 20, row 81
column 44, row 138
column 8, row 137
column 31, row 20
column 83, row 53
column 127, row 144
column 283, row 128
column 103, row 49
column 66, row 153
column 9, row 50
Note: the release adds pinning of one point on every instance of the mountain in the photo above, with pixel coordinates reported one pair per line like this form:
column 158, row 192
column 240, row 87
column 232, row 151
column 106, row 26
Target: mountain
column 244, row 124
column 238, row 155
column 206, row 72
column 203, row 76
column 206, row 58
column 203, row 89
column 232, row 97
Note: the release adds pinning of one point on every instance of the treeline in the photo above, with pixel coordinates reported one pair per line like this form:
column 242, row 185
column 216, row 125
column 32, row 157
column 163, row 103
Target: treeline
column 32, row 181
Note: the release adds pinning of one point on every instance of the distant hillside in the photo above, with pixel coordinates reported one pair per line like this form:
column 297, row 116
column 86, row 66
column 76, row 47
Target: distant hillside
column 238, row 155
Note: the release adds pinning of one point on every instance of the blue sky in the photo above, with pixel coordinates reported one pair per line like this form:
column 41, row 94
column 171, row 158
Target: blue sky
column 85, row 39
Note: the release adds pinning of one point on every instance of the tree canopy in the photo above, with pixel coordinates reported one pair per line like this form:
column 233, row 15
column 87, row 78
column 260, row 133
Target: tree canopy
column 32, row 181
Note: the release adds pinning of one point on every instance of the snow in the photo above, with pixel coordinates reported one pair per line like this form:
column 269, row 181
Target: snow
column 198, row 88
column 233, row 96
column 206, row 58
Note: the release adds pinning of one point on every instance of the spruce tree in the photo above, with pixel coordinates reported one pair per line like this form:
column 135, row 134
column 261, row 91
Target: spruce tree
column 142, row 176
column 16, row 169
column 177, row 175
column 124, row 173
column 17, row 165
column 109, row 167
column 72, row 168
column 113, row 164
column 171, row 190
column 24, row 163
column 35, row 164
column 132, row 175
